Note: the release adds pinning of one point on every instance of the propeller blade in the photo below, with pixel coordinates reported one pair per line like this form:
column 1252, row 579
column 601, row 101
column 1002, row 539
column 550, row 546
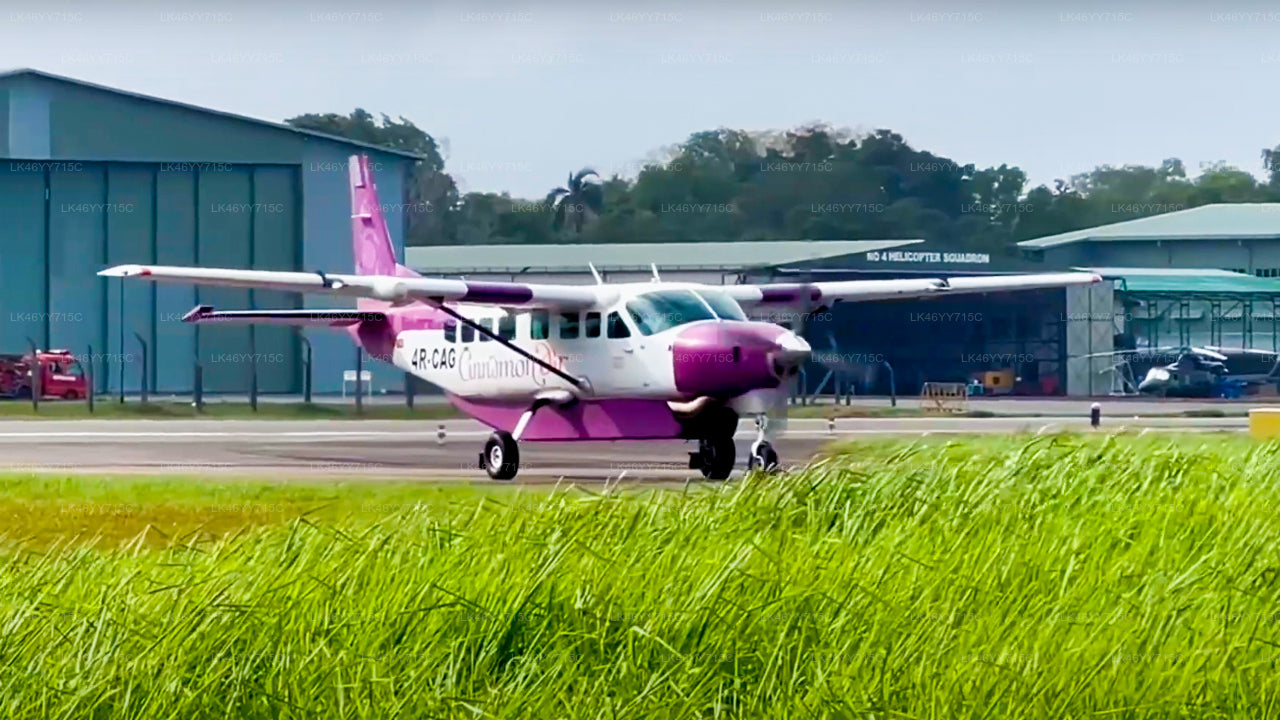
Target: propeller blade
column 776, row 413
column 1208, row 353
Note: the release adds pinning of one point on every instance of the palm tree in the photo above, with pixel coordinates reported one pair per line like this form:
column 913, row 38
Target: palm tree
column 582, row 195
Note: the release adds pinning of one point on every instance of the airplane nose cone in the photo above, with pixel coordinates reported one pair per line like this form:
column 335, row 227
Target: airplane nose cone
column 725, row 359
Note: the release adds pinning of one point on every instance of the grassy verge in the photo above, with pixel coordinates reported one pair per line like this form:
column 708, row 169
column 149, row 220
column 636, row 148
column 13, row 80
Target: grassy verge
column 1061, row 576
column 110, row 408
column 854, row 411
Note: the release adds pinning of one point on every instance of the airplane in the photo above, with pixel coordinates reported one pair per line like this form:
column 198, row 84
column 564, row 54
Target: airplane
column 1195, row 372
column 548, row 362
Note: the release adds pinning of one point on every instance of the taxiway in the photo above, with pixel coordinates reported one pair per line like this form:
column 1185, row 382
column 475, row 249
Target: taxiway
column 413, row 449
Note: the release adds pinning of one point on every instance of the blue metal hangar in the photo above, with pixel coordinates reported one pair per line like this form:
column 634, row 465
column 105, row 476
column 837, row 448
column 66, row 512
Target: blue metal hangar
column 93, row 176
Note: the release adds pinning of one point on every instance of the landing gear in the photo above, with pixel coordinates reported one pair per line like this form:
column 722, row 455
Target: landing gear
column 714, row 458
column 501, row 456
column 762, row 457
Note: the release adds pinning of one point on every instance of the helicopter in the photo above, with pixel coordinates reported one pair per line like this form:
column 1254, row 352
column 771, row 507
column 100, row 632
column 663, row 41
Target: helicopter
column 1190, row 372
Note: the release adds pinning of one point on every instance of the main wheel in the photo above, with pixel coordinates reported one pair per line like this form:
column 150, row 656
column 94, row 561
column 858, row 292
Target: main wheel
column 764, row 458
column 717, row 457
column 501, row 456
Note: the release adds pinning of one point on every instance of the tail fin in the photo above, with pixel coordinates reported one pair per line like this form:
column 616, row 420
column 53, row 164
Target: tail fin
column 371, row 243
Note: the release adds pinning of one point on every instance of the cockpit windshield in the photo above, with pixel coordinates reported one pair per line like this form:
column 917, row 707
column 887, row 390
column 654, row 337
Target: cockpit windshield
column 726, row 307
column 661, row 310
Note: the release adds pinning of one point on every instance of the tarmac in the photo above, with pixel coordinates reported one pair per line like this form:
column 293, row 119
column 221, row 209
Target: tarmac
column 413, row 450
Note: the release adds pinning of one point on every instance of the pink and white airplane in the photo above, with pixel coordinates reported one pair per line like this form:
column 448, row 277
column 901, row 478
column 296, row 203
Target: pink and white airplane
column 635, row 361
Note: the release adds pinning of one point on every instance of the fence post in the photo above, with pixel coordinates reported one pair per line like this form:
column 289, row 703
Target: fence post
column 143, row 386
column 89, row 379
column 35, row 376
column 253, row 370
column 893, row 390
column 198, row 387
column 359, row 380
column 306, row 370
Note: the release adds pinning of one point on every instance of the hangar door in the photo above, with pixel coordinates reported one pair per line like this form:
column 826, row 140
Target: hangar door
column 61, row 222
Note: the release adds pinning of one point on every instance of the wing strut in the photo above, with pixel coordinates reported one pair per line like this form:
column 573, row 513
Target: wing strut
column 510, row 346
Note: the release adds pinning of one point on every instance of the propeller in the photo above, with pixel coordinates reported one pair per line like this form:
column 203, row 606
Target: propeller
column 777, row 405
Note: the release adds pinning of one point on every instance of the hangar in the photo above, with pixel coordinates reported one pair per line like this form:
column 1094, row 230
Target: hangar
column 1208, row 275
column 98, row 176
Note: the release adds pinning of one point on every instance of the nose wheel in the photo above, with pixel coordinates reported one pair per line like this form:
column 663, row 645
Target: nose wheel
column 501, row 456
column 762, row 456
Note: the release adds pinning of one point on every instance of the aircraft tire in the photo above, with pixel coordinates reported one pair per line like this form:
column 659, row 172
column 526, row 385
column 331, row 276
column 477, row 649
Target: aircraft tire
column 765, row 459
column 502, row 456
column 717, row 457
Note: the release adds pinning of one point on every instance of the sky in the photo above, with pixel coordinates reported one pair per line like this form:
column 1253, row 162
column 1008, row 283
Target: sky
column 519, row 95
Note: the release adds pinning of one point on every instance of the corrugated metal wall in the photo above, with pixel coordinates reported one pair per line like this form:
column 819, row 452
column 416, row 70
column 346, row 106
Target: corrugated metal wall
column 92, row 176
column 65, row 221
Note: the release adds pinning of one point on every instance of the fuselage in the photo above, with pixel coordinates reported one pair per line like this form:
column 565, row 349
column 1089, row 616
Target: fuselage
column 669, row 341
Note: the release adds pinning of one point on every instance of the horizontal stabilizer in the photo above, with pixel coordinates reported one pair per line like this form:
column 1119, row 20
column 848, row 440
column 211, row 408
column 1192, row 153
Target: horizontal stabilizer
column 297, row 318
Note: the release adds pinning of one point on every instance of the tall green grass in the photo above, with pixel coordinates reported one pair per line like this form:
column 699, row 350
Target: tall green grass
column 1054, row 577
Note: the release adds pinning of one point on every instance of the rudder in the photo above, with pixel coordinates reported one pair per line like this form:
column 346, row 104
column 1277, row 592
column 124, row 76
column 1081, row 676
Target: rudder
column 371, row 243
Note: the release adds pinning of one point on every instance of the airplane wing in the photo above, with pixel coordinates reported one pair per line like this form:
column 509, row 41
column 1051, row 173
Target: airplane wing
column 295, row 318
column 825, row 293
column 379, row 287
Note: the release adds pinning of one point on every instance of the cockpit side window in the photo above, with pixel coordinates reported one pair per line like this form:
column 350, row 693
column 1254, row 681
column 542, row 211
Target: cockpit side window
column 617, row 328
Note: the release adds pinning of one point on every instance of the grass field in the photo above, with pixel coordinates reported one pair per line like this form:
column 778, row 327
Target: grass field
column 1060, row 576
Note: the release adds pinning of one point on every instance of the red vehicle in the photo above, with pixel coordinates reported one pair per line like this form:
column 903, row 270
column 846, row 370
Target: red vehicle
column 60, row 375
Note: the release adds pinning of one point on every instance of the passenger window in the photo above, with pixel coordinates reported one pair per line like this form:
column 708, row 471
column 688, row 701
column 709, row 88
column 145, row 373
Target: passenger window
column 487, row 324
column 617, row 328
column 568, row 325
column 507, row 327
column 593, row 324
column 468, row 333
column 539, row 323
column 450, row 331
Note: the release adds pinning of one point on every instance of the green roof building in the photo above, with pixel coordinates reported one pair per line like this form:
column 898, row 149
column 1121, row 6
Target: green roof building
column 1242, row 237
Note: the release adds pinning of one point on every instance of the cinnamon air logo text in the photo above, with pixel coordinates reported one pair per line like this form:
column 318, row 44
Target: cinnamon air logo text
column 472, row 368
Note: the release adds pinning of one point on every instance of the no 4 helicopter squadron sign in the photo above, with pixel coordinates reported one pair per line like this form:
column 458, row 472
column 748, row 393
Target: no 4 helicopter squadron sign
column 928, row 257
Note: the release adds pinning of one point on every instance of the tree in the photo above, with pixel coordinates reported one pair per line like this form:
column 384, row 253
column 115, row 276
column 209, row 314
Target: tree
column 431, row 195
column 810, row 182
column 1271, row 163
column 582, row 195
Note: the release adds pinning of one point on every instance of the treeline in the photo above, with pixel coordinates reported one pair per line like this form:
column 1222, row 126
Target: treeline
column 814, row 182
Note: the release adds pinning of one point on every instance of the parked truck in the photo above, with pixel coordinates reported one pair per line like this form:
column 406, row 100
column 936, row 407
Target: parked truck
column 61, row 375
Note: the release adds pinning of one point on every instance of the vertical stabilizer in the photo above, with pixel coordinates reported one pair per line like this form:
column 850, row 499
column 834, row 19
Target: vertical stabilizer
column 374, row 254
